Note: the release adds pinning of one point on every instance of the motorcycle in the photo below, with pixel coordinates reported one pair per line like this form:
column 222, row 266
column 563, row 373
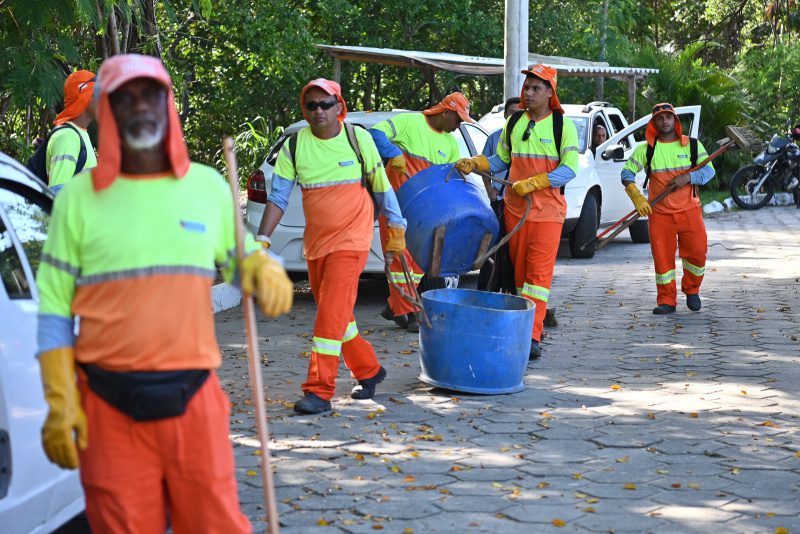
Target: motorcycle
column 777, row 167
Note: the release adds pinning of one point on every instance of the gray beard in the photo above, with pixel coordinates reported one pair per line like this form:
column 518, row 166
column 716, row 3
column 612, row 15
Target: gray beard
column 146, row 139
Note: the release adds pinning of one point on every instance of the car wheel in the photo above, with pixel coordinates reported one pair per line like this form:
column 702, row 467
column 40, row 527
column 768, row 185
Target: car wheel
column 640, row 232
column 585, row 230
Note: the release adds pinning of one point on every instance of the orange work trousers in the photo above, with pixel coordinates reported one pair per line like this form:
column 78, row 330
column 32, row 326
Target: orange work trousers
column 399, row 305
column 533, row 252
column 686, row 230
column 140, row 476
column 334, row 284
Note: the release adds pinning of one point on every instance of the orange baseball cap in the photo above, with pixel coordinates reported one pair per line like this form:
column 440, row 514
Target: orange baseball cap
column 651, row 133
column 548, row 74
column 330, row 87
column 78, row 90
column 453, row 102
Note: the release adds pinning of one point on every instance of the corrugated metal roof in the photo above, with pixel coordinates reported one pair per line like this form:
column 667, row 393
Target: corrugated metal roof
column 475, row 64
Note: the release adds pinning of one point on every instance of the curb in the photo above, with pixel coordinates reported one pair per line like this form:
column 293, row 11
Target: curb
column 225, row 296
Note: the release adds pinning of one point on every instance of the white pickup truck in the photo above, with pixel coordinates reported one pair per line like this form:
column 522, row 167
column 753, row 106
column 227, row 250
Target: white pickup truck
column 595, row 197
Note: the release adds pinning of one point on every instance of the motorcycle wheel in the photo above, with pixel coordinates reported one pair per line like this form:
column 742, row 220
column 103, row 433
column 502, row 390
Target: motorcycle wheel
column 742, row 184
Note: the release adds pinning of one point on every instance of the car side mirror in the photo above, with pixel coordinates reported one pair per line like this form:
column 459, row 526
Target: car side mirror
column 615, row 152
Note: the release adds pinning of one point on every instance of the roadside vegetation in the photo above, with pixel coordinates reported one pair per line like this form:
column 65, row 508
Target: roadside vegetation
column 238, row 65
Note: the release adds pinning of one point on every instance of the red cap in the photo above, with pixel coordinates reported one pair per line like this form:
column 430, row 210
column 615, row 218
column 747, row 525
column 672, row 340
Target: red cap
column 651, row 133
column 452, row 102
column 330, row 87
column 78, row 89
column 548, row 74
column 116, row 71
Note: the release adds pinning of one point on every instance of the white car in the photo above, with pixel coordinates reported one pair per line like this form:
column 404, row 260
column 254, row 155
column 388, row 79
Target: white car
column 35, row 495
column 595, row 197
column 287, row 240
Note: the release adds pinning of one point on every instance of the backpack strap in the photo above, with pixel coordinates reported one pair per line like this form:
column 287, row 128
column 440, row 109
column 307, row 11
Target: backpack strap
column 350, row 130
column 558, row 132
column 81, row 163
column 648, row 159
column 293, row 150
column 512, row 121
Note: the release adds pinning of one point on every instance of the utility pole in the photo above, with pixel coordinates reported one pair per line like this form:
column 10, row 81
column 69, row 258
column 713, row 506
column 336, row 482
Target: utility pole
column 515, row 50
column 598, row 87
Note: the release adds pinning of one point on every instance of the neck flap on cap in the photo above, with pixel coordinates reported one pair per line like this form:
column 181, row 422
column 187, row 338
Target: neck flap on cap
column 115, row 72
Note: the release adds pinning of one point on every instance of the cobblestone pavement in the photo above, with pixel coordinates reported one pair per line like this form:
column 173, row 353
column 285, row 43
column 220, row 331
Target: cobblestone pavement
column 630, row 422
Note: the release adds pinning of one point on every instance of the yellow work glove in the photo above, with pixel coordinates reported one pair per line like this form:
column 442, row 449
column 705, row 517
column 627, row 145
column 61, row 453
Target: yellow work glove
column 264, row 241
column 641, row 204
column 529, row 185
column 264, row 277
column 468, row 165
column 395, row 239
column 65, row 429
column 398, row 163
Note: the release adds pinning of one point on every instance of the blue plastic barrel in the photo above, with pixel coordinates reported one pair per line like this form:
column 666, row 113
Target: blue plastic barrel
column 478, row 342
column 437, row 197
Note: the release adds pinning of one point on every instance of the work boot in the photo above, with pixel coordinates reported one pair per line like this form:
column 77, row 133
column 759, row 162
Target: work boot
column 412, row 325
column 550, row 318
column 536, row 350
column 312, row 403
column 400, row 320
column 693, row 302
column 663, row 309
column 366, row 388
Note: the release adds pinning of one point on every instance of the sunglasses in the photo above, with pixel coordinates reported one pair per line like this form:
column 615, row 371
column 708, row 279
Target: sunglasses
column 324, row 104
column 663, row 107
column 83, row 86
column 527, row 133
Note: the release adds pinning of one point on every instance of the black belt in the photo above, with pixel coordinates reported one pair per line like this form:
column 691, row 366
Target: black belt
column 146, row 396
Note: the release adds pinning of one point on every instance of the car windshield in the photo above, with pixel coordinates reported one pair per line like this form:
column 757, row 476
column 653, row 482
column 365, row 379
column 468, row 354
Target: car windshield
column 581, row 124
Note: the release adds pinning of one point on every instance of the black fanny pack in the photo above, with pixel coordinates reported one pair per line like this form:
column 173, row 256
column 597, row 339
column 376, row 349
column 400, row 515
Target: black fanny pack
column 146, row 396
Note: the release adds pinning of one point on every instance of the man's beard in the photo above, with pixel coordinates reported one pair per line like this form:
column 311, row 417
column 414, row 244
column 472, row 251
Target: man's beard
column 146, row 138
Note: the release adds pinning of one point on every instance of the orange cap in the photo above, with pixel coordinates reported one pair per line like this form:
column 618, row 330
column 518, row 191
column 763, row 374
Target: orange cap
column 330, row 87
column 78, row 89
column 548, row 74
column 651, row 133
column 116, row 71
column 452, row 102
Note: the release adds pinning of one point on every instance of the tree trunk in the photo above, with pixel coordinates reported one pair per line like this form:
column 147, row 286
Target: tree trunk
column 598, row 85
column 151, row 28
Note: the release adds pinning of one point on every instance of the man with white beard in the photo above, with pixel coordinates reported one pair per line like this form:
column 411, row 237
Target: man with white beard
column 131, row 250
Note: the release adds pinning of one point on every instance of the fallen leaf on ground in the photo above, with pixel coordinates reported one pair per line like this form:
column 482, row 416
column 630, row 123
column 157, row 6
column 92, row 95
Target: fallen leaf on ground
column 589, row 509
column 651, row 416
column 543, row 485
column 323, row 523
column 629, row 486
column 577, row 476
column 768, row 423
column 615, row 387
column 781, row 530
column 623, row 459
column 558, row 523
column 252, row 473
column 592, row 500
column 580, row 495
column 693, row 415
column 409, row 478
column 693, row 485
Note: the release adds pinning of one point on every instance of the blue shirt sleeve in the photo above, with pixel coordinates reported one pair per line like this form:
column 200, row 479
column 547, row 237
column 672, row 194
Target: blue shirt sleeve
column 627, row 176
column 386, row 148
column 497, row 165
column 560, row 176
column 390, row 208
column 281, row 188
column 702, row 175
column 490, row 148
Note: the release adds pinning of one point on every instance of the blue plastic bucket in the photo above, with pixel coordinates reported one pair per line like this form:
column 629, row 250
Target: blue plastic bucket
column 437, row 197
column 478, row 342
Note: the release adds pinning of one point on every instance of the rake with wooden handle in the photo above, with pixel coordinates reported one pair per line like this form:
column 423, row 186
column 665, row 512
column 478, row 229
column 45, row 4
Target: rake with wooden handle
column 253, row 359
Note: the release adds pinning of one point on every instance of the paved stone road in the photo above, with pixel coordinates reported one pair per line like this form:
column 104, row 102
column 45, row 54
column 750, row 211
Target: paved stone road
column 630, row 422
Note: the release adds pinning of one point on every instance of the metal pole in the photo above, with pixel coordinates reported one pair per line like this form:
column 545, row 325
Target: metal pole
column 632, row 97
column 515, row 50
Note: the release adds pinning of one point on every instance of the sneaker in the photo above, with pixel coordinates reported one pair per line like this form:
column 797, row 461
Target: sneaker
column 536, row 350
column 693, row 302
column 312, row 403
column 663, row 309
column 400, row 320
column 412, row 325
column 366, row 388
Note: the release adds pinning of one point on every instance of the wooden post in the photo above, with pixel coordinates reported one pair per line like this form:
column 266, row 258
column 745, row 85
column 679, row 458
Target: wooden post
column 632, row 97
column 337, row 70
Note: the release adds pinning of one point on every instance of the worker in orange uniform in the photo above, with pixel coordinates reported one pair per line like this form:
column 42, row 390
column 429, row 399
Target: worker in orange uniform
column 131, row 250
column 541, row 162
column 338, row 169
column 412, row 142
column 665, row 158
